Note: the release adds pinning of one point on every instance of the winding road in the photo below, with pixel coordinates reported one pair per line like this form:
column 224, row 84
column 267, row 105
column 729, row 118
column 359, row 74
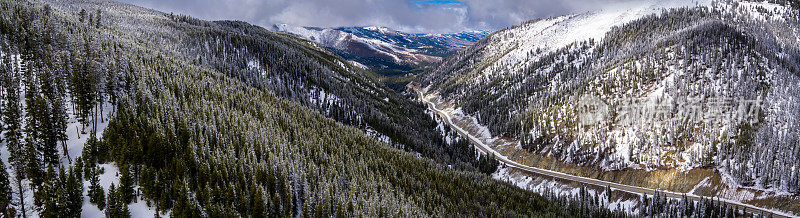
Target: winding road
column 584, row 180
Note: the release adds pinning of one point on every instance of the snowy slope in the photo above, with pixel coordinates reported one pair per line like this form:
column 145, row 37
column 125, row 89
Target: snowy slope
column 547, row 35
column 718, row 69
column 355, row 44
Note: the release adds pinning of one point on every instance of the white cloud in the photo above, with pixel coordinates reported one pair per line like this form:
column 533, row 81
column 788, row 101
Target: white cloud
column 403, row 15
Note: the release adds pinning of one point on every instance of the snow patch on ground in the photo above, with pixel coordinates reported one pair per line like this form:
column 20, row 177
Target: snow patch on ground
column 75, row 144
column 543, row 186
column 110, row 176
column 550, row 34
column 359, row 65
column 378, row 136
column 77, row 139
column 703, row 183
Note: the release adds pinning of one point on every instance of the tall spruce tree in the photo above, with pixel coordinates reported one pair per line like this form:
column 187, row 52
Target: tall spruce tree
column 73, row 189
column 47, row 196
column 35, row 108
column 5, row 193
column 84, row 83
column 117, row 208
column 97, row 19
column 125, row 188
column 97, row 195
column 54, row 117
column 12, row 118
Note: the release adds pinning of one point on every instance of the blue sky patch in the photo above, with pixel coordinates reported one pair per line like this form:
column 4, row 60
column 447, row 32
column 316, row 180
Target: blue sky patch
column 436, row 2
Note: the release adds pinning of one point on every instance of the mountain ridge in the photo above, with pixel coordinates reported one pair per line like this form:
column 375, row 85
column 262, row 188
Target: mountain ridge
column 386, row 51
column 530, row 89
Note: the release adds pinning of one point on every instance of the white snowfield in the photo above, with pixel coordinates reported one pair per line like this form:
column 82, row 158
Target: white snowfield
column 482, row 143
column 340, row 40
column 550, row 34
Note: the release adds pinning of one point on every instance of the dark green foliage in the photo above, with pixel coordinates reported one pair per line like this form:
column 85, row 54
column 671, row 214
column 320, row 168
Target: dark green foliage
column 125, row 188
column 47, row 194
column 659, row 204
column 12, row 118
column 97, row 19
column 321, row 81
column 117, row 208
column 5, row 193
column 487, row 164
column 84, row 82
column 61, row 194
column 73, row 192
column 200, row 137
column 97, row 195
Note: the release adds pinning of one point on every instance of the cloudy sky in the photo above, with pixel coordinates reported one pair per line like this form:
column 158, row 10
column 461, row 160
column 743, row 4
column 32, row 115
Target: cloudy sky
column 437, row 16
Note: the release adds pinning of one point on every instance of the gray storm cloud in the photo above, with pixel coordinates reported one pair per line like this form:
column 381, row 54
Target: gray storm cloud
column 406, row 15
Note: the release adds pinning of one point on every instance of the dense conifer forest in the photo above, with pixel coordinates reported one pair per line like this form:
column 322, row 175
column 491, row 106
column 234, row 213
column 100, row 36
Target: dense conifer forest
column 226, row 119
column 196, row 132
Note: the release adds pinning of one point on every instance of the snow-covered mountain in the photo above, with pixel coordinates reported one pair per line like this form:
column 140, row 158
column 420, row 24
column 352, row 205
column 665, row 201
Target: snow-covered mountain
column 386, row 51
column 678, row 85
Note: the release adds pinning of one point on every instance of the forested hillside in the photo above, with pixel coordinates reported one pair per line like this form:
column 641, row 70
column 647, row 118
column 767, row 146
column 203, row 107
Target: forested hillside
column 687, row 87
column 217, row 119
column 298, row 70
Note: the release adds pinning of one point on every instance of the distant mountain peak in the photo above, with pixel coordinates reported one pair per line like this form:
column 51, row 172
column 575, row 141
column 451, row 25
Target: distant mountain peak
column 385, row 50
column 379, row 29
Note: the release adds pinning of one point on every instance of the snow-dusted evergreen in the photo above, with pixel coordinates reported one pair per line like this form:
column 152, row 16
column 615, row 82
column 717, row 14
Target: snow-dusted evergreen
column 217, row 119
column 722, row 78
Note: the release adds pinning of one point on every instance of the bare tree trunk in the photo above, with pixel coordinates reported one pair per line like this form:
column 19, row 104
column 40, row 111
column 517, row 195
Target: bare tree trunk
column 102, row 118
column 73, row 103
column 21, row 195
column 66, row 151
column 94, row 127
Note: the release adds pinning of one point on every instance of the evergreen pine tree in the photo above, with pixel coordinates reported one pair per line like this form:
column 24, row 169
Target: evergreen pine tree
column 258, row 203
column 82, row 15
column 90, row 168
column 49, row 196
column 5, row 193
column 125, row 188
column 97, row 19
column 83, row 83
column 78, row 168
column 49, row 133
column 184, row 207
column 97, row 195
column 34, row 112
column 117, row 208
column 12, row 118
column 111, row 201
column 73, row 188
column 54, row 117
